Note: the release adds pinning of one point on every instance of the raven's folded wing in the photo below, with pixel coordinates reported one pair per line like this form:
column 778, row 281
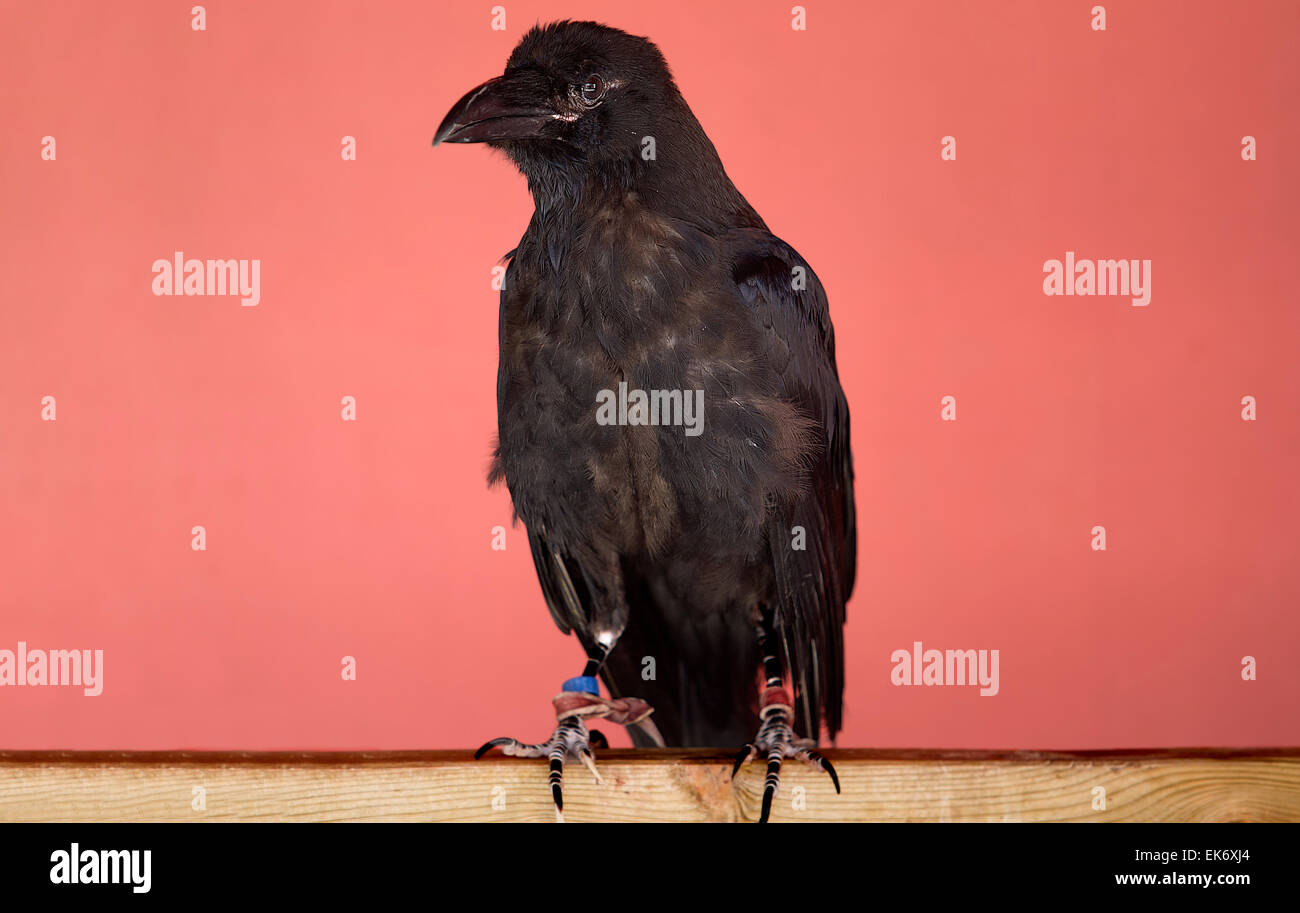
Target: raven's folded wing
column 814, row 581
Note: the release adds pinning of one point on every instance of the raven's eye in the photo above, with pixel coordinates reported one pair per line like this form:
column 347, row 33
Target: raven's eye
column 593, row 88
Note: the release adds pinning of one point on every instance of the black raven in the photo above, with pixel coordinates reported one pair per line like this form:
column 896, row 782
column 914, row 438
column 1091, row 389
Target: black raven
column 699, row 556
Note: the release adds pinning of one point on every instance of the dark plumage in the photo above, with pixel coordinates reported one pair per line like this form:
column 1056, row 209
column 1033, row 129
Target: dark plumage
column 656, row 272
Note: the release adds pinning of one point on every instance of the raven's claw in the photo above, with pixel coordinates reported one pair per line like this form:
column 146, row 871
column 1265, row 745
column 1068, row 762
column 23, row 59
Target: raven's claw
column 776, row 742
column 570, row 739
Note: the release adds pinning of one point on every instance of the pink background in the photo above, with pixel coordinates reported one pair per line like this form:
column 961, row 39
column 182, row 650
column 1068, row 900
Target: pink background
column 372, row 538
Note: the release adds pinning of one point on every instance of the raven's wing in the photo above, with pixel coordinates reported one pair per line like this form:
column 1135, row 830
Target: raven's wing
column 558, row 574
column 788, row 304
column 563, row 579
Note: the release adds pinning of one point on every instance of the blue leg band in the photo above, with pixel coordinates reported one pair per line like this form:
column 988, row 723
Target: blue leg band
column 586, row 684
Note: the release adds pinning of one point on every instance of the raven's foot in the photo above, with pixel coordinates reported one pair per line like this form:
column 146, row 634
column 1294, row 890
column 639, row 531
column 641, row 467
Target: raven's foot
column 571, row 738
column 776, row 742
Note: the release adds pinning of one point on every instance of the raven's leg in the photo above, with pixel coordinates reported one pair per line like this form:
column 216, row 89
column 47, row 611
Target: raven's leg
column 578, row 701
column 776, row 740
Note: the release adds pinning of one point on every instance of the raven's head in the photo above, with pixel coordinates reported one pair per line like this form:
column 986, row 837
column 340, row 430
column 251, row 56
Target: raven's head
column 575, row 97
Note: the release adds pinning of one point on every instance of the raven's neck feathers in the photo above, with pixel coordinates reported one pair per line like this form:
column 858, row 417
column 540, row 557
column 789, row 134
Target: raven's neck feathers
column 683, row 179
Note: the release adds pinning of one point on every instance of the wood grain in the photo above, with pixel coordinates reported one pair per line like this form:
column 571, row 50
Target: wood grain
column 667, row 785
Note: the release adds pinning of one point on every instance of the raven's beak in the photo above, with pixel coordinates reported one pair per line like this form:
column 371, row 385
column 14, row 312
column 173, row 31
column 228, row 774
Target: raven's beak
column 508, row 107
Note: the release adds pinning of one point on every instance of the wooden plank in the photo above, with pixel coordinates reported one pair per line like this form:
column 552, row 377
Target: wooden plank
column 667, row 785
